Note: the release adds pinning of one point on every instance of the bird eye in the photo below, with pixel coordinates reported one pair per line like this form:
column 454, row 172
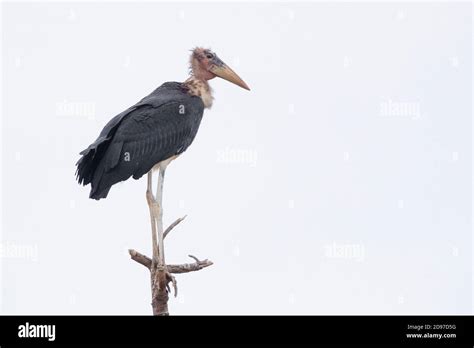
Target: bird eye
column 209, row 55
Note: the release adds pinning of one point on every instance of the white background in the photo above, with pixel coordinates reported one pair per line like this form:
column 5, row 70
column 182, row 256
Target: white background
column 307, row 194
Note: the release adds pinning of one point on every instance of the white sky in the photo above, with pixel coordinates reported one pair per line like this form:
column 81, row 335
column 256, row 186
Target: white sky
column 341, row 184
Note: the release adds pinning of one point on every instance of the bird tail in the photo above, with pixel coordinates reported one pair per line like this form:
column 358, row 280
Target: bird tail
column 88, row 168
column 95, row 166
column 98, row 194
column 85, row 166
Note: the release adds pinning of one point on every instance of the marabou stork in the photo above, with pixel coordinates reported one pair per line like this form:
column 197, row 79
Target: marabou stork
column 152, row 133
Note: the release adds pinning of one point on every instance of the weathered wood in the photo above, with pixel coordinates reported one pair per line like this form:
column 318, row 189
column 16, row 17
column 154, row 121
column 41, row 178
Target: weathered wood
column 161, row 276
column 181, row 268
column 173, row 225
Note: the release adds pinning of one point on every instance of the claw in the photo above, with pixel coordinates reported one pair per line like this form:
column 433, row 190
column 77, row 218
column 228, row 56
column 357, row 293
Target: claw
column 173, row 281
column 175, row 285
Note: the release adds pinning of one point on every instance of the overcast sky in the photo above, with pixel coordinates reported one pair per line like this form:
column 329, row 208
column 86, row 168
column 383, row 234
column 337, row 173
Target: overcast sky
column 341, row 184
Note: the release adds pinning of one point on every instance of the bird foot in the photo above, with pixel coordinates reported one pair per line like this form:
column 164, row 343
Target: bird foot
column 171, row 279
column 168, row 278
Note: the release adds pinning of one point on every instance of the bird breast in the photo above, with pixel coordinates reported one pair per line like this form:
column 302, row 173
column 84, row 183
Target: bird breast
column 200, row 89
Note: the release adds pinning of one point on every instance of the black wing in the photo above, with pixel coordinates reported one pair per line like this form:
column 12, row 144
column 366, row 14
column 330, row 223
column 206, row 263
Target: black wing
column 158, row 127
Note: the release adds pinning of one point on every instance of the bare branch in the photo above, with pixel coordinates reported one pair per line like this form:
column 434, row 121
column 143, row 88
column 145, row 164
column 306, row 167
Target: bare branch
column 140, row 258
column 173, row 225
column 194, row 257
column 189, row 267
column 182, row 268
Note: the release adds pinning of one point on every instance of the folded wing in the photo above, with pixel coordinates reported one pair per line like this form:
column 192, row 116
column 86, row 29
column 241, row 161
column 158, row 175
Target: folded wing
column 160, row 126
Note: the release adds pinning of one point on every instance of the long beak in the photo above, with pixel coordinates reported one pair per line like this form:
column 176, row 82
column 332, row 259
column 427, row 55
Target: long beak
column 223, row 71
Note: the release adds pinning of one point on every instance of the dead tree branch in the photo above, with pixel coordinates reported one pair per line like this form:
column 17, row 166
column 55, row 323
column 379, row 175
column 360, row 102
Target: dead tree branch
column 173, row 225
column 161, row 275
column 181, row 268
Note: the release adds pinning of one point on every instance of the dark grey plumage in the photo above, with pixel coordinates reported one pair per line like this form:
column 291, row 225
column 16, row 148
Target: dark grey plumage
column 161, row 125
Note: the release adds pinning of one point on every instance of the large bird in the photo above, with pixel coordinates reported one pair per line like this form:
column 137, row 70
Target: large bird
column 153, row 132
column 158, row 128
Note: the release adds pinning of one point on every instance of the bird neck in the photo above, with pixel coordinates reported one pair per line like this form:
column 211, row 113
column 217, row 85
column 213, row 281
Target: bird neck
column 200, row 88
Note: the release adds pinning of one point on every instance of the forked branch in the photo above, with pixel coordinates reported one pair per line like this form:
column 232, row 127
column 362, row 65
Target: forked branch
column 181, row 268
column 173, row 225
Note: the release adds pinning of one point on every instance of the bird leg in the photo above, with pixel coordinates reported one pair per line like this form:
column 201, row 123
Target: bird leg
column 161, row 277
column 164, row 275
column 151, row 205
column 158, row 272
column 159, row 215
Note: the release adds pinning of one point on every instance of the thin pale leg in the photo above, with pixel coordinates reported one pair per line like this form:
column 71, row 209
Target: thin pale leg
column 159, row 215
column 151, row 205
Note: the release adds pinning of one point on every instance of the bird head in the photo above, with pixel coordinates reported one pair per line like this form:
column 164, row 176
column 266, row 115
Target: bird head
column 206, row 65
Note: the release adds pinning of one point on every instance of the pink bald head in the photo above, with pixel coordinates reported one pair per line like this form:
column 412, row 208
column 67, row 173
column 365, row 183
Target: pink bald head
column 206, row 65
column 201, row 62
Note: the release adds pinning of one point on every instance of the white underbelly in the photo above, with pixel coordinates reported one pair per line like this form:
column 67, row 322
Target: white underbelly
column 163, row 164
